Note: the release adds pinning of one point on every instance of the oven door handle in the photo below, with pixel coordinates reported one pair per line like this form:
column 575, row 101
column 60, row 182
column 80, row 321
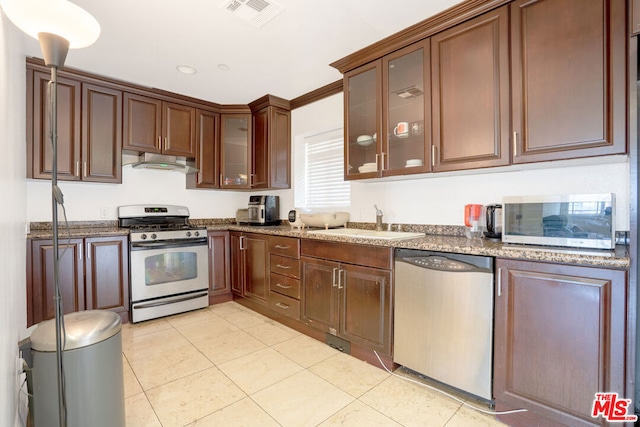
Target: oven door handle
column 172, row 301
column 140, row 246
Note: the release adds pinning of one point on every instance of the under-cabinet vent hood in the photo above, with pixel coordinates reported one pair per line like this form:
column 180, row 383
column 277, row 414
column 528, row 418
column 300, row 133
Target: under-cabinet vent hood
column 163, row 162
column 256, row 12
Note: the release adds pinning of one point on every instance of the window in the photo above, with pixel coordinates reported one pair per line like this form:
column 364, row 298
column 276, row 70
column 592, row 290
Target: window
column 319, row 179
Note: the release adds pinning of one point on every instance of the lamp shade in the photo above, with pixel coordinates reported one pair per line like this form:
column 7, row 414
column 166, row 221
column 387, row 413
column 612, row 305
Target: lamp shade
column 59, row 17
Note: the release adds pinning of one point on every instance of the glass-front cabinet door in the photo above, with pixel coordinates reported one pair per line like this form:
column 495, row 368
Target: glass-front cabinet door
column 407, row 111
column 235, row 151
column 363, row 96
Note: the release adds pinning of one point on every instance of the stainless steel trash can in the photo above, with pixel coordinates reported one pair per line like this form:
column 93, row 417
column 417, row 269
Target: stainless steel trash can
column 92, row 366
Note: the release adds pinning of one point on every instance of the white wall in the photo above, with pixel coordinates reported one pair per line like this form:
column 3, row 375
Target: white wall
column 440, row 198
column 12, row 216
column 84, row 201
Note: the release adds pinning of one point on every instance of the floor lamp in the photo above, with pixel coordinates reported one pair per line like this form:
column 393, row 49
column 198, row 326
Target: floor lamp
column 58, row 25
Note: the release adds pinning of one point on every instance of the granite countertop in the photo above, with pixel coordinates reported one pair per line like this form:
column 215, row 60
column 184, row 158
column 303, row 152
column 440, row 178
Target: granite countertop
column 438, row 238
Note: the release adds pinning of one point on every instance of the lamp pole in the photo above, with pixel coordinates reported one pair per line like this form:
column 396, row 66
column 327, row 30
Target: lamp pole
column 54, row 49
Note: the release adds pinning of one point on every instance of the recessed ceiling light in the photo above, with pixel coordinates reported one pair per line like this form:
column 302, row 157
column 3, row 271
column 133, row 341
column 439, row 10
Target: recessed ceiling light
column 186, row 69
column 223, row 67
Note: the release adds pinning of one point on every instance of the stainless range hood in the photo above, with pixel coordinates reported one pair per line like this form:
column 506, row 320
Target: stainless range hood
column 164, row 162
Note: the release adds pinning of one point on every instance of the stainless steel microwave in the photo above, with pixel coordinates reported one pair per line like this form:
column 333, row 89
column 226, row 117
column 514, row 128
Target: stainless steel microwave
column 573, row 220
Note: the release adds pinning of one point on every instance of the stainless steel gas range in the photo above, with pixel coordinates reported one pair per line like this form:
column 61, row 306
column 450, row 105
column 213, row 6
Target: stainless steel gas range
column 168, row 260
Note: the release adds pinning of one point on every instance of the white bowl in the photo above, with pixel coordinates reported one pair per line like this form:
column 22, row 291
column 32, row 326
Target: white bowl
column 371, row 165
column 364, row 140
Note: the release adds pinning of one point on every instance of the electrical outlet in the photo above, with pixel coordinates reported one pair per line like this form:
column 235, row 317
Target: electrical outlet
column 104, row 213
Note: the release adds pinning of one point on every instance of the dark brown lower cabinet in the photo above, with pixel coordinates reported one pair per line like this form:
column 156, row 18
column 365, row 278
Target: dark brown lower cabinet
column 350, row 301
column 250, row 266
column 93, row 274
column 560, row 337
column 219, row 259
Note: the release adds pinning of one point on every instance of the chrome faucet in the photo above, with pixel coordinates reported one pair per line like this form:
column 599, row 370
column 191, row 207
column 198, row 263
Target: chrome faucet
column 378, row 218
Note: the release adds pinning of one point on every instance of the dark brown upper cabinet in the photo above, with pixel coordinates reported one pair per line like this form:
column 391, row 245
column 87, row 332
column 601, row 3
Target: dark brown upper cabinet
column 363, row 121
column 89, row 130
column 271, row 143
column 207, row 151
column 470, row 89
column 101, row 134
column 406, row 115
column 152, row 125
column 568, row 79
column 235, row 151
column 509, row 82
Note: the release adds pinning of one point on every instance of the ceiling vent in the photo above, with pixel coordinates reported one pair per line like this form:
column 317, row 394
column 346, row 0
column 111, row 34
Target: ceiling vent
column 256, row 12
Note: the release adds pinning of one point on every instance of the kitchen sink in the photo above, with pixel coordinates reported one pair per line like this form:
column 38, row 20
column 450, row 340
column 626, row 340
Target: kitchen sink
column 366, row 234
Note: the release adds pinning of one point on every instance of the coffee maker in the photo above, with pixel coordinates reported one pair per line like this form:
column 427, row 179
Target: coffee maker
column 264, row 210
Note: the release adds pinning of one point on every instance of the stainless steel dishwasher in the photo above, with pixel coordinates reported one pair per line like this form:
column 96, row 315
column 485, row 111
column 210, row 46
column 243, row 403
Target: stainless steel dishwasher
column 443, row 318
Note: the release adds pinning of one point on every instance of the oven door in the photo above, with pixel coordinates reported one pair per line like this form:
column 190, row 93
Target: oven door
column 160, row 269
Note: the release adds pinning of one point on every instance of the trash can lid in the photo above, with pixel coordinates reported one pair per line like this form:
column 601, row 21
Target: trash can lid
column 82, row 328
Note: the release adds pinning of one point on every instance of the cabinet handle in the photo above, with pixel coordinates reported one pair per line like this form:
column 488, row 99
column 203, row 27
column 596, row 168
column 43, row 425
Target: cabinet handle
column 515, row 143
column 78, row 168
column 88, row 251
column 160, row 142
column 84, row 169
column 284, row 267
column 283, row 306
column 283, row 286
column 242, row 243
column 433, row 156
column 499, row 281
column 382, row 162
column 282, row 247
column 166, row 140
column 340, row 279
column 333, row 279
column 377, row 157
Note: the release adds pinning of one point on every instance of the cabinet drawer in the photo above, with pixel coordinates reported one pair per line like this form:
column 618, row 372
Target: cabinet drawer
column 284, row 305
column 285, row 246
column 285, row 285
column 287, row 266
column 351, row 253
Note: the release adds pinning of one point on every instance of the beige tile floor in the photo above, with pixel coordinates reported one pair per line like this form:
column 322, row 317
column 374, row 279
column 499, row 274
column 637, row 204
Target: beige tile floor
column 229, row 366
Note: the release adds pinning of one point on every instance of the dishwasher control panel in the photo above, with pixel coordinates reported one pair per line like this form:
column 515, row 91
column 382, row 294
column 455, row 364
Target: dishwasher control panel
column 440, row 263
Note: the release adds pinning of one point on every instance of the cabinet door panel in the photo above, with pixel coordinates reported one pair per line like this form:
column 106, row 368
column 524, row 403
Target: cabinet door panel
column 407, row 99
column 219, row 280
column 179, row 124
column 107, row 273
column 69, row 107
column 470, row 69
column 559, row 338
column 207, row 151
column 256, row 255
column 319, row 284
column 260, row 152
column 568, row 88
column 363, row 116
column 70, row 278
column 101, row 134
column 365, row 307
column 280, row 149
column 142, row 123
column 237, row 264
column 235, row 151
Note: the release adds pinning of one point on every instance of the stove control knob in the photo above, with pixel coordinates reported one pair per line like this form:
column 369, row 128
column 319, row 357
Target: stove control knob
column 188, row 234
column 143, row 236
column 197, row 233
column 153, row 236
